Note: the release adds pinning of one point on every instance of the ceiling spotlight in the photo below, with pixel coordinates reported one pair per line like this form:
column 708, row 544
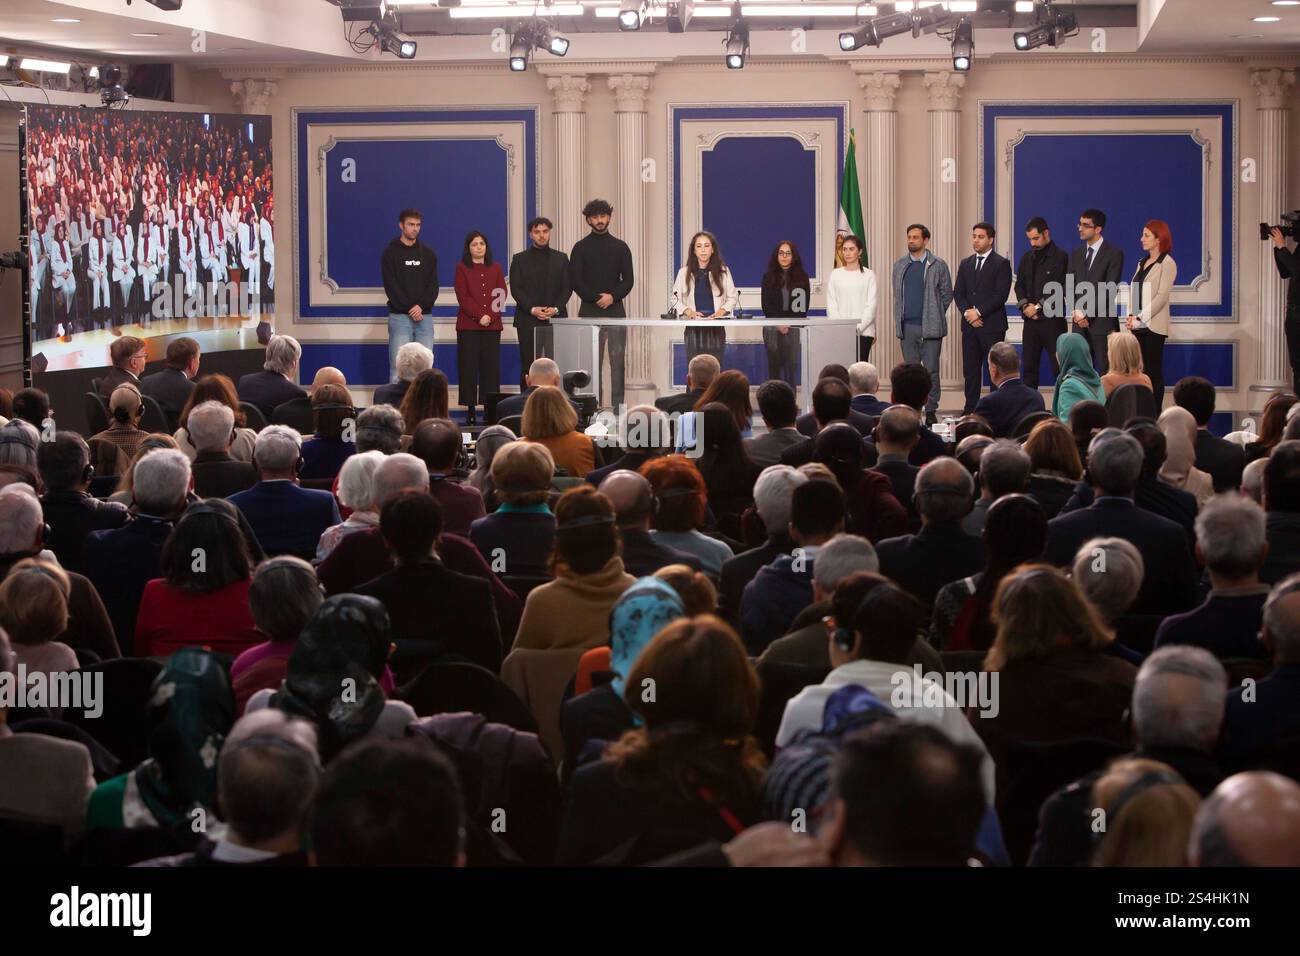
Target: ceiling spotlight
column 678, row 14
column 857, row 37
column 390, row 41
column 552, row 40
column 520, row 48
column 737, row 43
column 963, row 46
column 631, row 13
column 1051, row 33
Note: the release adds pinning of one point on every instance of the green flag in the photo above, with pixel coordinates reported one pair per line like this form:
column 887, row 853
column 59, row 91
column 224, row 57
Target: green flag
column 850, row 223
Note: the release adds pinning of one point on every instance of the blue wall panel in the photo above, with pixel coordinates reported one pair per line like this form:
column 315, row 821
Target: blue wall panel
column 741, row 208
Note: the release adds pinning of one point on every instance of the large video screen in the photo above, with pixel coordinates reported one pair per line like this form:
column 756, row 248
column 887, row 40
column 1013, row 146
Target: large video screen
column 151, row 224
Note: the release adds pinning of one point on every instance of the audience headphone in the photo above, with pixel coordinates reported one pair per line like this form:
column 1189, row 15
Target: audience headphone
column 1154, row 778
column 843, row 633
column 208, row 508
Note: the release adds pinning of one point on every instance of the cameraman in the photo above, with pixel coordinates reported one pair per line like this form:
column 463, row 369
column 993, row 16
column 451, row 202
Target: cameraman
column 1288, row 266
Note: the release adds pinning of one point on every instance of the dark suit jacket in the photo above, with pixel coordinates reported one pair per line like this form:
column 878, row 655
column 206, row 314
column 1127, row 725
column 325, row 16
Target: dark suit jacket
column 1008, row 403
column 987, row 292
column 217, row 475
column 1224, row 460
column 119, row 563
column 924, row 562
column 514, row 405
column 902, row 477
column 526, row 539
column 72, row 515
column 681, row 403
column 437, row 611
column 113, row 378
column 462, row 505
column 767, row 449
column 868, row 405
column 391, row 394
column 1153, row 495
column 643, row 555
column 287, row 518
column 1251, row 727
column 807, row 424
column 740, row 570
column 1169, row 581
column 266, row 390
column 1107, row 266
column 628, row 461
column 1283, row 534
column 531, row 276
column 171, row 389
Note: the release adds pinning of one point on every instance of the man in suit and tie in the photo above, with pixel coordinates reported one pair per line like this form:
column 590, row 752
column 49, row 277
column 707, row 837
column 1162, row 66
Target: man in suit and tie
column 1115, row 461
column 539, row 282
column 981, row 290
column 170, row 387
column 1042, row 269
column 129, row 357
column 277, row 382
column 1011, row 399
column 286, row 518
column 1096, row 270
column 1224, row 460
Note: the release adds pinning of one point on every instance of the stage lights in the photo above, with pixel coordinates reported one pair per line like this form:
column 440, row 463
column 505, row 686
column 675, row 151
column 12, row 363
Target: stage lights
column 737, row 44
column 877, row 29
column 390, row 41
column 963, row 46
column 631, row 14
column 1051, row 32
column 535, row 34
column 552, row 40
column 520, row 50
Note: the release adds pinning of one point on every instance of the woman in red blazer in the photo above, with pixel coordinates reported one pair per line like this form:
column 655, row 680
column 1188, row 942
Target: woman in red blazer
column 481, row 294
column 202, row 598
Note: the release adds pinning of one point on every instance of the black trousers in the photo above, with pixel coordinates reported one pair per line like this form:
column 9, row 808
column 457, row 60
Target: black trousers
column 478, row 360
column 1291, row 326
column 783, row 354
column 700, row 340
column 1040, row 334
column 614, row 338
column 1097, row 343
column 975, row 345
column 536, row 339
column 864, row 347
column 1152, row 345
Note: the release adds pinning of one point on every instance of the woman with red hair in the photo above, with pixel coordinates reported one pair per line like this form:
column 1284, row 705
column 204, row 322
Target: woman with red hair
column 1148, row 314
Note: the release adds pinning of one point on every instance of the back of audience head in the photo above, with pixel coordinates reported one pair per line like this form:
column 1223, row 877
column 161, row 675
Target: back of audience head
column 1004, row 469
column 1178, row 699
column 211, row 427
column 586, row 535
column 63, row 462
column 357, row 480
column 697, row 592
column 1155, row 446
column 438, row 443
column 544, row 371
column 970, row 452
column 331, row 410
column 1086, row 419
column 213, row 387
column 1015, row 532
column 267, row 777
column 412, row 359
column 32, row 406
column 283, row 354
column 1282, row 478
column 1251, row 819
column 1115, row 462
column 283, row 596
column 969, row 426
column 1149, row 811
column 831, row 401
column 1252, row 480
column 840, row 557
column 397, row 472
column 903, row 794
column 944, row 491
column 838, row 446
column 632, row 496
column 816, row 512
column 881, row 621
column 548, row 413
column 646, row 429
column 1109, row 572
column 1197, row 395
column 864, row 379
column 389, row 803
column 211, row 528
column 1004, row 360
column 490, row 441
column 379, row 428
column 816, row 471
column 773, row 493
column 522, row 473
column 1273, row 422
column 277, row 452
column 777, row 404
column 161, row 483
column 909, row 384
column 1038, row 612
column 22, row 521
column 1052, row 448
column 1281, row 624
column 19, row 442
column 125, row 405
column 1230, row 539
column 34, row 602
column 410, row 523
column 898, row 430
column 702, row 370
column 730, row 388
column 680, row 491
column 426, row 397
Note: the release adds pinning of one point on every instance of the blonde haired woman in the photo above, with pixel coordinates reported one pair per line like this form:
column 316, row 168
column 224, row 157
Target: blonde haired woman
column 1149, row 811
column 1125, row 357
column 34, row 611
column 549, row 419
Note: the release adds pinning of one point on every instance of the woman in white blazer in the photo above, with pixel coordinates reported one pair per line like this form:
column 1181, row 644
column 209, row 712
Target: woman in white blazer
column 97, row 266
column 704, row 290
column 147, row 261
column 38, row 255
column 851, row 294
column 1148, row 317
column 187, row 256
column 123, row 267
column 63, row 276
column 250, row 255
column 267, row 228
column 212, row 250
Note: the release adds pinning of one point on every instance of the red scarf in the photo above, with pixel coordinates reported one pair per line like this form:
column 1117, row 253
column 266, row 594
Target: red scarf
column 99, row 247
column 67, row 256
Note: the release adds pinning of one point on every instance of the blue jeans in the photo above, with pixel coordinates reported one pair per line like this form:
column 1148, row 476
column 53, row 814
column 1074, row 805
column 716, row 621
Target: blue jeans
column 926, row 351
column 403, row 329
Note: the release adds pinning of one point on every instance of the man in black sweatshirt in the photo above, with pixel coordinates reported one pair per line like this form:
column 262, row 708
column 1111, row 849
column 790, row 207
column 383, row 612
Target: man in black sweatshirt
column 600, row 271
column 410, row 271
column 539, row 282
column 1044, row 264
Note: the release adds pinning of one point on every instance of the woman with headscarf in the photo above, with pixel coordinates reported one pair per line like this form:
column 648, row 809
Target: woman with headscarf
column 1179, row 428
column 646, row 608
column 490, row 440
column 191, row 709
column 334, row 675
column 1077, row 381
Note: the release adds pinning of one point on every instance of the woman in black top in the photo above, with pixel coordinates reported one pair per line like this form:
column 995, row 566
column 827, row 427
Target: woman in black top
column 785, row 296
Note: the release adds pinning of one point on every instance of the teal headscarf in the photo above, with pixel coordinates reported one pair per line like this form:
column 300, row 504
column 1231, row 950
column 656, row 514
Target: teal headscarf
column 1076, row 362
column 644, row 610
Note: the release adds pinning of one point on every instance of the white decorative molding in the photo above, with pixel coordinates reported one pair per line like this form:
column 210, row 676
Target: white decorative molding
column 881, row 89
column 1272, row 87
column 944, row 88
column 253, row 94
column 630, row 91
column 569, row 92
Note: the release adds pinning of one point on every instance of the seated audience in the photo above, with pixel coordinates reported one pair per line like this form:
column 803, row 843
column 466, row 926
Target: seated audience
column 909, row 384
column 1251, row 819
column 287, row 518
column 1282, row 512
column 412, row 359
column 357, row 494
column 156, row 441
column 113, row 448
column 171, row 385
column 1222, row 459
column 121, row 561
column 779, row 408
column 836, row 404
column 332, row 440
column 1252, row 480
column 1086, row 420
column 201, row 599
column 1179, row 469
column 1149, row 814
column 435, row 613
column 724, row 465
column 128, row 355
column 645, row 433
column 897, row 433
column 216, row 388
column 32, row 405
column 426, row 398
column 864, row 382
column 70, row 511
column 573, row 610
column 543, row 371
column 1109, row 572
column 490, row 440
column 438, row 443
column 519, row 536
column 1272, row 425
column 871, row 509
column 1231, row 543
column 772, row 494
column 217, row 473
column 277, row 383
column 326, row 375
column 783, row 588
column 700, row 373
column 941, row 552
column 549, row 419
column 1055, row 465
column 19, row 445
column 1010, row 399
column 282, row 597
column 379, row 428
column 34, row 612
column 730, row 388
column 681, row 500
column 1124, row 357
column 1003, row 470
column 690, row 772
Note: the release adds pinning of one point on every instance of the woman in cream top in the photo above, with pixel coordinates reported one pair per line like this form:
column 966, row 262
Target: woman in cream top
column 1148, row 317
column 851, row 294
column 694, row 298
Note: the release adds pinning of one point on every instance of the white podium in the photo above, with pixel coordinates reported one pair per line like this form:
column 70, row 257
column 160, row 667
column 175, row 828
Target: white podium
column 823, row 342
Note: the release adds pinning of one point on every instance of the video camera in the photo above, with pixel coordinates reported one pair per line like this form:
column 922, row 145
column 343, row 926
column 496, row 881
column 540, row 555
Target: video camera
column 1292, row 223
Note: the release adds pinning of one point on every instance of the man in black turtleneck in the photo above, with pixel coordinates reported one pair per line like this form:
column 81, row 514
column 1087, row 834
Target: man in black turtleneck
column 1043, row 264
column 600, row 270
column 539, row 282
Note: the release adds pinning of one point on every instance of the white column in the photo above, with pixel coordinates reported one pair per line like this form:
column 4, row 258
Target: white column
column 569, row 92
column 1272, row 87
column 944, row 88
column 879, row 149
column 630, row 91
column 253, row 94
